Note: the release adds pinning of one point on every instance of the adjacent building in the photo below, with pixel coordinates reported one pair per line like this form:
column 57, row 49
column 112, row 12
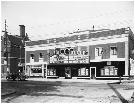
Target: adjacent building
column 83, row 54
column 13, row 50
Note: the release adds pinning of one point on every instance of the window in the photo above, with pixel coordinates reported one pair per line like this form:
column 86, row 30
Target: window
column 113, row 50
column 98, row 51
column 106, row 71
column 102, row 72
column 109, row 71
column 52, row 72
column 83, row 72
column 32, row 56
column 40, row 55
column 36, row 70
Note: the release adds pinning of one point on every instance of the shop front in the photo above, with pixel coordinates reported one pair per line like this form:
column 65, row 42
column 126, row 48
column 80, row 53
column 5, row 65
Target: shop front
column 109, row 69
column 36, row 70
column 69, row 71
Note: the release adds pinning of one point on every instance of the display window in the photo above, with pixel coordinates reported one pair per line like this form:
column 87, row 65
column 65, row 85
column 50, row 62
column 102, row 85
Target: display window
column 109, row 71
column 51, row 72
column 83, row 72
column 36, row 70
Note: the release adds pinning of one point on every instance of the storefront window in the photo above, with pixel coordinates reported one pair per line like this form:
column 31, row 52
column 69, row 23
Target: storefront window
column 106, row 71
column 83, row 72
column 116, row 71
column 109, row 71
column 102, row 71
column 52, row 72
column 36, row 70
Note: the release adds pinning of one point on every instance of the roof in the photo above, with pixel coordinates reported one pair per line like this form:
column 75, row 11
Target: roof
column 87, row 34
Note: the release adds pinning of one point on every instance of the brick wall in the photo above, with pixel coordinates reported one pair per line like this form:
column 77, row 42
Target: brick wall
column 106, row 50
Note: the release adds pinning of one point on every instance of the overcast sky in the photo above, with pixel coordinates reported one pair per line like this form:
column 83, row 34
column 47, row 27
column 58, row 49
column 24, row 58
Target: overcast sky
column 46, row 19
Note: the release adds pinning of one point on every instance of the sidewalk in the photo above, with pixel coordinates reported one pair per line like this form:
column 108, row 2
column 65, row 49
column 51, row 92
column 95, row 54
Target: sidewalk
column 75, row 80
column 125, row 89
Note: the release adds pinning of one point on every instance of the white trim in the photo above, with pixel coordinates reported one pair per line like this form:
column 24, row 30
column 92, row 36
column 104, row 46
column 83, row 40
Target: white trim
column 126, row 58
column 36, row 63
column 111, row 77
column 8, row 57
column 85, row 42
column 90, row 71
column 110, row 59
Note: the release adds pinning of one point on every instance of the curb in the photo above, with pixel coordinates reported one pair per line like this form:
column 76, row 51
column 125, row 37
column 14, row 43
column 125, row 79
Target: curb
column 64, row 80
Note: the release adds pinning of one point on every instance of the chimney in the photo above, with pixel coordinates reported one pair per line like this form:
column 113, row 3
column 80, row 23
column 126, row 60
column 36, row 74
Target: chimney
column 22, row 31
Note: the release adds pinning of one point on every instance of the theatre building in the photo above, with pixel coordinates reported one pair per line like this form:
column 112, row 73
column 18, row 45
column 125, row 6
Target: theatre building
column 89, row 54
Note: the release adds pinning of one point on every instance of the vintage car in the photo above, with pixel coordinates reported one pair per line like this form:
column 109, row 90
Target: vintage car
column 16, row 76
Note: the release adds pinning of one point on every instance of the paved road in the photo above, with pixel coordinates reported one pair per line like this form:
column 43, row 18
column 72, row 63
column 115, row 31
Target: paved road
column 66, row 92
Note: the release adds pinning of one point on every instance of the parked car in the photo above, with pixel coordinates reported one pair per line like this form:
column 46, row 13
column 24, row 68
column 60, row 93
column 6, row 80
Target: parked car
column 16, row 76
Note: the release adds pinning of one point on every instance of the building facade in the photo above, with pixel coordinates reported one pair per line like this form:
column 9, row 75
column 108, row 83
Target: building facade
column 83, row 54
column 13, row 50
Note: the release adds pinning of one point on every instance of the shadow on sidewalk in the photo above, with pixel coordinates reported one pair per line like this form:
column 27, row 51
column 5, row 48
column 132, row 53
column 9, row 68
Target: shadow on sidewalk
column 118, row 94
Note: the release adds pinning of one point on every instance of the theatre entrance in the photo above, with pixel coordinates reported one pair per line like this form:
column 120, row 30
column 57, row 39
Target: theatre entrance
column 93, row 72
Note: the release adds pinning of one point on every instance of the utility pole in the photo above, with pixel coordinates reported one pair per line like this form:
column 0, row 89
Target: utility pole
column 6, row 36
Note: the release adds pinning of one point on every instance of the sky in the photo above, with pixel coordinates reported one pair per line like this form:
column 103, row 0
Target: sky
column 49, row 19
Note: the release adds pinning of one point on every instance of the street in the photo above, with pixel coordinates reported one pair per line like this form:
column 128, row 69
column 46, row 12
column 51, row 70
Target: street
column 59, row 91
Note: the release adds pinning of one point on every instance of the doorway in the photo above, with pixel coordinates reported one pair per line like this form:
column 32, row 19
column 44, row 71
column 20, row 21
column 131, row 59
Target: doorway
column 92, row 72
column 67, row 73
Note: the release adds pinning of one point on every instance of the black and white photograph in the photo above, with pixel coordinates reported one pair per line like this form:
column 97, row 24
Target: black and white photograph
column 67, row 51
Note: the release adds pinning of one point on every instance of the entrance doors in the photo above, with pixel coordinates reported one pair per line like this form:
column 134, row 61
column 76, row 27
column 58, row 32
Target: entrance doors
column 67, row 72
column 92, row 72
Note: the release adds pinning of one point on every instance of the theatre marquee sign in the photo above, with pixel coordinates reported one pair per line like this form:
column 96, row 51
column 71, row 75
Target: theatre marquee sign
column 69, row 59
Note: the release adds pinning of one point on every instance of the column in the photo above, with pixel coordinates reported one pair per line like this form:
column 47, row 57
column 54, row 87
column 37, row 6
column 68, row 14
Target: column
column 43, row 73
column 126, row 58
column 46, row 70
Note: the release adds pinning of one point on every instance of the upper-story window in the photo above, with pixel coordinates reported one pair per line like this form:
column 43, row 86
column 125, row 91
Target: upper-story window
column 40, row 55
column 98, row 51
column 32, row 56
column 113, row 50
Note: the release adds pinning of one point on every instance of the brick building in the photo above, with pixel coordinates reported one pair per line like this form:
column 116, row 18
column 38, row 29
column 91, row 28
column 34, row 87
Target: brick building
column 15, row 51
column 82, row 54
